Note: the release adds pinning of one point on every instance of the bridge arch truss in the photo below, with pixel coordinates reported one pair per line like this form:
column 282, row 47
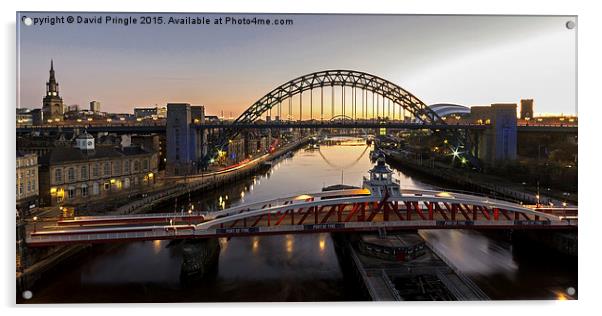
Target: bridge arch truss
column 362, row 106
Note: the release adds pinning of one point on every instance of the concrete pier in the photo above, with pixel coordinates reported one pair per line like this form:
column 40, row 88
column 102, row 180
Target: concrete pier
column 429, row 277
column 200, row 258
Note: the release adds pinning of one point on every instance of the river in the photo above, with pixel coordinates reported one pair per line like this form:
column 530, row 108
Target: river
column 290, row 267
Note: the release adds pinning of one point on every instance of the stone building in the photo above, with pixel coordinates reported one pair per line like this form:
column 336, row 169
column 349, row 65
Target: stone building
column 27, row 190
column 83, row 173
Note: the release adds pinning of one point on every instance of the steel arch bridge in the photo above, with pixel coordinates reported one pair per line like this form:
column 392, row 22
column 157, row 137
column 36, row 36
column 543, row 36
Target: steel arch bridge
column 347, row 210
column 386, row 90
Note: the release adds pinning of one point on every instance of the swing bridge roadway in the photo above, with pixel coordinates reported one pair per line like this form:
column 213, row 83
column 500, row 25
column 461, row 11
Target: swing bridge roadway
column 348, row 210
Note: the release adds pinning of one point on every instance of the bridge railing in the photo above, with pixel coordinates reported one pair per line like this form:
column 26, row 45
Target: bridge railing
column 463, row 192
column 499, row 197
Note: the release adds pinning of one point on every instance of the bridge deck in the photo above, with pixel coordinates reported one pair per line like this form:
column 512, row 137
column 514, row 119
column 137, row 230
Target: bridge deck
column 344, row 210
column 368, row 124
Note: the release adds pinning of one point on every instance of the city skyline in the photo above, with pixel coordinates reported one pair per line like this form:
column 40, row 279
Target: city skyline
column 208, row 74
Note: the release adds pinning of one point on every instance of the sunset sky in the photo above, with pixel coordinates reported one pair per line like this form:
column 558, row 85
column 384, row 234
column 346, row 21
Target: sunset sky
column 470, row 60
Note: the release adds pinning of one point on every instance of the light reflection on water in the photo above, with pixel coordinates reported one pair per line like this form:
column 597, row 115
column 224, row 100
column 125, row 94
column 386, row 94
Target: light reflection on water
column 483, row 256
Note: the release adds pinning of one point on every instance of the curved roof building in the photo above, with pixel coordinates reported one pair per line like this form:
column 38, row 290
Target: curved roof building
column 445, row 109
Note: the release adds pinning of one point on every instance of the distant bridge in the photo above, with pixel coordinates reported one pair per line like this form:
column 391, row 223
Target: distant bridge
column 314, row 124
column 333, row 211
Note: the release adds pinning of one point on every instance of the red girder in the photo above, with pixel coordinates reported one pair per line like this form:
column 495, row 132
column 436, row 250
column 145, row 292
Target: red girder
column 452, row 210
column 340, row 212
column 396, row 211
column 354, row 210
column 429, row 207
column 462, row 208
column 257, row 220
column 330, row 212
column 380, row 206
column 309, row 210
column 418, row 210
column 441, row 211
column 236, row 221
column 368, row 211
column 303, row 216
column 485, row 213
column 282, row 217
column 503, row 212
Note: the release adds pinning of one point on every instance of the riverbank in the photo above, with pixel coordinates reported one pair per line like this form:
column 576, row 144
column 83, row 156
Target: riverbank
column 473, row 182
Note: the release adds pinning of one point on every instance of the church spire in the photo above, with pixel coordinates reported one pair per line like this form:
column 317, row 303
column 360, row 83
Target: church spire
column 52, row 87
